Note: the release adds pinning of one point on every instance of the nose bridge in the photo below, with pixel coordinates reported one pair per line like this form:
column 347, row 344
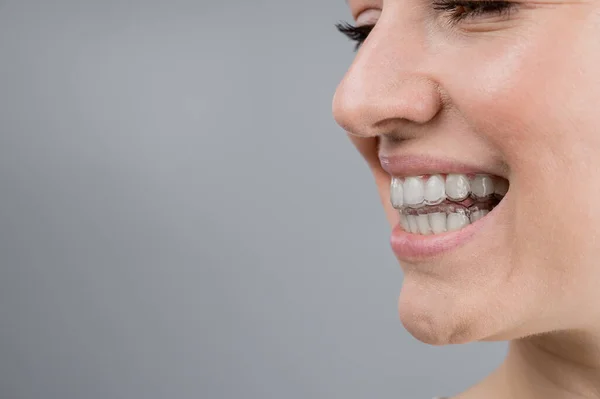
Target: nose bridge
column 388, row 80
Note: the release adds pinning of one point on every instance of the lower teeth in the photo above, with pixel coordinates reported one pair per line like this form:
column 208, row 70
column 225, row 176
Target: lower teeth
column 442, row 218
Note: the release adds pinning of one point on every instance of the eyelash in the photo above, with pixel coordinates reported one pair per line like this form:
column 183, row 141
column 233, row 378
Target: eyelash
column 474, row 8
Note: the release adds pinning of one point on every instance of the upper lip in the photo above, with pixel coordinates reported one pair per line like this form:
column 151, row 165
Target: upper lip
column 416, row 165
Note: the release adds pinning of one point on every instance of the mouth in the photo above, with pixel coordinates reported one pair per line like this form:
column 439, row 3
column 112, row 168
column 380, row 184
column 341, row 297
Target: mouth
column 440, row 211
column 441, row 203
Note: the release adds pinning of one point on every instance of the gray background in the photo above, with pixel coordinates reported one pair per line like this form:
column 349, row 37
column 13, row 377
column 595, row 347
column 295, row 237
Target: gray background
column 180, row 217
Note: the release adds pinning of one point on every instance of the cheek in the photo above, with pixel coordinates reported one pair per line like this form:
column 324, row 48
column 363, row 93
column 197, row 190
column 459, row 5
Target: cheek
column 534, row 89
column 535, row 101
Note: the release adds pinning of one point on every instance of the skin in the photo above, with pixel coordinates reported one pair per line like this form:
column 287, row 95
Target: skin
column 518, row 96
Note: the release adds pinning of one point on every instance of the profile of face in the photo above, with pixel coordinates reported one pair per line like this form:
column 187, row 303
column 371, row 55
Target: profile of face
column 479, row 122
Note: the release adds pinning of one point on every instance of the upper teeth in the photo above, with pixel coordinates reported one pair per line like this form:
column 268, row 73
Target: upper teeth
column 435, row 189
column 482, row 186
column 415, row 191
column 457, row 187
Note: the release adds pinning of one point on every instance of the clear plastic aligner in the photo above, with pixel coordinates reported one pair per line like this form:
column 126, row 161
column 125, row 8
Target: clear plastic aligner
column 442, row 218
column 448, row 208
column 417, row 192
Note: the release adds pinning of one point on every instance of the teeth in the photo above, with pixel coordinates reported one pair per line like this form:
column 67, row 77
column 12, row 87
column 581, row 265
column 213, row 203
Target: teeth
column 501, row 187
column 457, row 221
column 435, row 190
column 396, row 193
column 414, row 191
column 457, row 187
column 423, row 223
column 475, row 216
column 482, row 186
column 404, row 222
column 438, row 222
column 412, row 223
column 422, row 204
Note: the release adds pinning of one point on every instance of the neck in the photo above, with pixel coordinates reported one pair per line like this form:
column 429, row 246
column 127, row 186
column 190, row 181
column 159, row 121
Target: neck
column 558, row 365
column 550, row 366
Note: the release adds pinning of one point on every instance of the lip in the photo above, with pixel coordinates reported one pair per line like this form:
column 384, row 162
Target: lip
column 417, row 165
column 415, row 247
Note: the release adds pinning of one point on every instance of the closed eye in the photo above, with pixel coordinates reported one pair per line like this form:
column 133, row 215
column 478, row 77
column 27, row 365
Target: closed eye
column 356, row 33
column 459, row 10
column 456, row 10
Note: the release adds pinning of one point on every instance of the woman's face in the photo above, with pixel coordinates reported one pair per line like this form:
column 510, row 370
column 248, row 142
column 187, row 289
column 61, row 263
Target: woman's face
column 513, row 95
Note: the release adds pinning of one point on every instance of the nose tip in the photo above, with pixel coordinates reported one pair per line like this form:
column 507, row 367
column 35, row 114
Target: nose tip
column 381, row 89
column 365, row 110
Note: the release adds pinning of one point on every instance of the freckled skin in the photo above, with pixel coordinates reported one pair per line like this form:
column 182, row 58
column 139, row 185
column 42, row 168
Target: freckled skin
column 519, row 94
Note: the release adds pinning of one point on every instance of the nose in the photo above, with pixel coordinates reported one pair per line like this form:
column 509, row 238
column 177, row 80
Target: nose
column 388, row 85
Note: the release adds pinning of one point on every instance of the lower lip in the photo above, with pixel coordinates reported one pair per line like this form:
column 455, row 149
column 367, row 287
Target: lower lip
column 415, row 247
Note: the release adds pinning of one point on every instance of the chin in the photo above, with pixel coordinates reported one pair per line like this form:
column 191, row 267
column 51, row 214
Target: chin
column 432, row 326
column 434, row 317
